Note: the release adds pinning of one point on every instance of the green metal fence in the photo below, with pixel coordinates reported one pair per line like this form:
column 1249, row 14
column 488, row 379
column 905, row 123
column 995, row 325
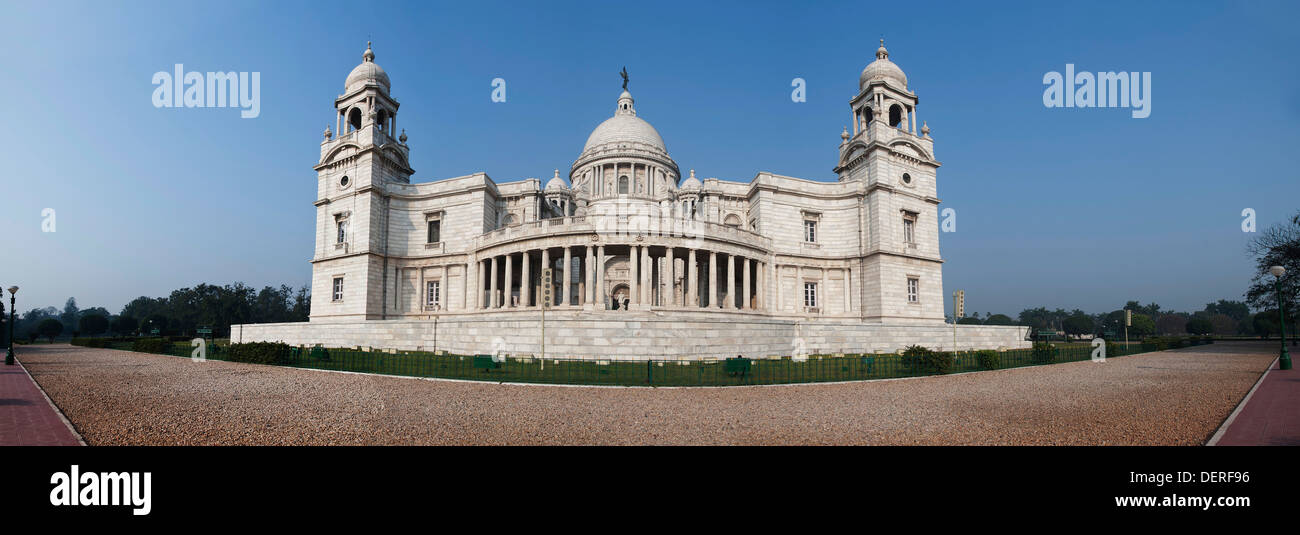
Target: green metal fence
column 661, row 372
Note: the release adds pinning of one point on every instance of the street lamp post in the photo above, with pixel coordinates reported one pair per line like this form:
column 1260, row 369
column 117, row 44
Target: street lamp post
column 9, row 356
column 1284, row 361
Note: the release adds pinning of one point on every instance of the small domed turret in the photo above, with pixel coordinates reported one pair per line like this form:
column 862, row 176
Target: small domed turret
column 883, row 70
column 368, row 72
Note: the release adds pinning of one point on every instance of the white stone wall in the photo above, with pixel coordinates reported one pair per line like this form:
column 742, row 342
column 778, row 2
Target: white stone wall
column 633, row 335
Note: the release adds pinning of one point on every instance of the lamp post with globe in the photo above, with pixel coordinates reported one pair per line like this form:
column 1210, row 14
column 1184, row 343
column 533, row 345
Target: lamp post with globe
column 9, row 356
column 1284, row 361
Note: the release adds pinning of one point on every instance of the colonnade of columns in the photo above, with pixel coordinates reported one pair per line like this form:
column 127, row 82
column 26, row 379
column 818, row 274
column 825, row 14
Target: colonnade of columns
column 654, row 276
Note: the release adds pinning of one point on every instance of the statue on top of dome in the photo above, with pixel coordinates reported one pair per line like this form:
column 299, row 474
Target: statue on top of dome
column 624, row 75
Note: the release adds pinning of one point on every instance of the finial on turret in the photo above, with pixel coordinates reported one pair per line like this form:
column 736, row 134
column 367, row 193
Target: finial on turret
column 925, row 129
column 557, row 173
column 402, row 137
column 844, row 136
column 692, row 173
column 368, row 55
column 328, row 133
column 881, row 53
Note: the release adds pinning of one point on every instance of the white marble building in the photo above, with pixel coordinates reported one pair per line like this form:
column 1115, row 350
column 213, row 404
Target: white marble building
column 714, row 263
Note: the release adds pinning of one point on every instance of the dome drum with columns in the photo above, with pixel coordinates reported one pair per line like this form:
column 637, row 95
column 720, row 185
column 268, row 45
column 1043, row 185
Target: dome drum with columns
column 626, row 236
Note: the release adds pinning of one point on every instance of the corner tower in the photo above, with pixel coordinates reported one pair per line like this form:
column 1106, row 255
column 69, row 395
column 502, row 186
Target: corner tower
column 361, row 160
column 894, row 165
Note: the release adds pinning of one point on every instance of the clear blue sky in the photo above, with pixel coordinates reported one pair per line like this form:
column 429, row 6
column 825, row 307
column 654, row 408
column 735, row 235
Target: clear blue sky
column 1066, row 208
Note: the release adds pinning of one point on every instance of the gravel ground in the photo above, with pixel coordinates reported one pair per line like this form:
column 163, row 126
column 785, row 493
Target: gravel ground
column 124, row 398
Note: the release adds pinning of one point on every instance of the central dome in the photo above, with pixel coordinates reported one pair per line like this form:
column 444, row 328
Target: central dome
column 624, row 128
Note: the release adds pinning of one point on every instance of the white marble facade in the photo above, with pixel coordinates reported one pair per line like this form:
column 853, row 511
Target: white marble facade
column 625, row 234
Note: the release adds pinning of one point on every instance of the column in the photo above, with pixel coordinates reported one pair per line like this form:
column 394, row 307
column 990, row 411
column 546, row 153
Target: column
column 546, row 264
column 692, row 287
column 565, row 298
column 848, row 291
column 588, row 295
column 633, row 262
column 744, row 294
column 465, row 290
column 492, row 288
column 526, row 281
column 444, row 286
column 731, row 281
column 479, row 286
column 713, row 280
column 668, row 296
column 599, row 298
column 510, row 281
column 647, row 294
column 912, row 115
column 780, row 287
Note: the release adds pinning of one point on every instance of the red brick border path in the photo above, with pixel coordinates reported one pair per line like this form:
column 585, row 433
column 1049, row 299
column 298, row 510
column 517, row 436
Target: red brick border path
column 27, row 418
column 1272, row 415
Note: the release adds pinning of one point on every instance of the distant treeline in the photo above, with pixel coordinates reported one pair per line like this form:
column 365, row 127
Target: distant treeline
column 180, row 314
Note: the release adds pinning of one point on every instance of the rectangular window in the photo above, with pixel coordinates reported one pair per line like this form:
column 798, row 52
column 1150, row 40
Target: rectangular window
column 810, row 231
column 913, row 290
column 810, row 294
column 432, row 294
column 435, row 231
column 338, row 288
column 343, row 231
column 909, row 230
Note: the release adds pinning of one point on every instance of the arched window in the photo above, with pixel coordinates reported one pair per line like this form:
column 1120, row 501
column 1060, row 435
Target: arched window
column 354, row 119
column 383, row 120
column 732, row 220
column 895, row 115
column 867, row 115
column 622, row 185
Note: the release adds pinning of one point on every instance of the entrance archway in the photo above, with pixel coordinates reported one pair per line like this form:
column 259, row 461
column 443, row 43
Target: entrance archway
column 619, row 297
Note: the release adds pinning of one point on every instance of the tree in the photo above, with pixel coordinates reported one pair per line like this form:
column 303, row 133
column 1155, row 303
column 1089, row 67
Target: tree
column 125, row 325
column 970, row 320
column 93, row 324
column 1278, row 245
column 156, row 321
column 1200, row 326
column 1222, row 324
column 1142, row 325
column 1173, row 323
column 70, row 312
column 1266, row 323
column 1236, row 310
column 999, row 319
column 1077, row 324
column 1041, row 318
column 50, row 328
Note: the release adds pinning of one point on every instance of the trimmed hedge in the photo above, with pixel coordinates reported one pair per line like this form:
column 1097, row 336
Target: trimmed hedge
column 90, row 342
column 1043, row 353
column 151, row 345
column 260, row 353
column 917, row 359
column 989, row 359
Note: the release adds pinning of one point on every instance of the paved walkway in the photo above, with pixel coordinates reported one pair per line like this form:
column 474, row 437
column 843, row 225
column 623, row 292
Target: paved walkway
column 1272, row 415
column 26, row 417
column 1177, row 397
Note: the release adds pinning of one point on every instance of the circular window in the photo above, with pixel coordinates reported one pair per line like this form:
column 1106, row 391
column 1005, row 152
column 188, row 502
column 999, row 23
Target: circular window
column 343, row 182
column 907, row 179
